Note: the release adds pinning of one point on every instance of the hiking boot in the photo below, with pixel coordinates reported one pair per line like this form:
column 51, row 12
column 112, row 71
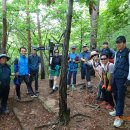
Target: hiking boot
column 112, row 113
column 73, row 87
column 33, row 96
column 18, row 98
column 4, row 111
column 118, row 122
column 68, row 87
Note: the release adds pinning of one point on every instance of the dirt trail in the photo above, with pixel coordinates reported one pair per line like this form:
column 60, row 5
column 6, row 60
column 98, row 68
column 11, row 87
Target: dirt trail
column 32, row 114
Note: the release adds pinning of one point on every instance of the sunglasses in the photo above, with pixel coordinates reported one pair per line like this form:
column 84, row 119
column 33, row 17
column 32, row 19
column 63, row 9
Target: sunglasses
column 103, row 58
column 94, row 55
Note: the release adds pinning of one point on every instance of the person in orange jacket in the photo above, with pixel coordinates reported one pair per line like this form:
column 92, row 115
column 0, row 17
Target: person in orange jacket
column 107, row 71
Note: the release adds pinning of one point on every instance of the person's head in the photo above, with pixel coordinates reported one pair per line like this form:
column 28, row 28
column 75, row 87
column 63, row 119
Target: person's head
column 73, row 49
column 4, row 58
column 105, row 45
column 85, row 48
column 94, row 55
column 104, row 58
column 56, row 52
column 23, row 51
column 121, row 42
column 34, row 50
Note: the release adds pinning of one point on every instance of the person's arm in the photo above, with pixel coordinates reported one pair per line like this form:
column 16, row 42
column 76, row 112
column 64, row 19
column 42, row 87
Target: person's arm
column 113, row 52
column 111, row 69
column 129, row 67
column 16, row 67
column 81, row 58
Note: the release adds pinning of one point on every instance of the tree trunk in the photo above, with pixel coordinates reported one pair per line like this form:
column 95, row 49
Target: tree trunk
column 40, row 44
column 64, row 112
column 94, row 14
column 4, row 37
column 28, row 28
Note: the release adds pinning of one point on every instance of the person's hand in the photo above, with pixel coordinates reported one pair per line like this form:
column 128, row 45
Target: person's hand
column 103, row 86
column 127, row 83
column 73, row 60
column 109, row 88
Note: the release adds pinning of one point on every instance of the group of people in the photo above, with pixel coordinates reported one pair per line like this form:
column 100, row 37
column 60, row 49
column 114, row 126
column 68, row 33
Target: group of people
column 110, row 67
column 25, row 69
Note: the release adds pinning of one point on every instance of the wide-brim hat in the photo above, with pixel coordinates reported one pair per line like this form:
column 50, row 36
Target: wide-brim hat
column 4, row 55
column 93, row 53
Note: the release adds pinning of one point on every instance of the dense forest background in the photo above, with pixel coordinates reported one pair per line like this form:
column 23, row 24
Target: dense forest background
column 34, row 22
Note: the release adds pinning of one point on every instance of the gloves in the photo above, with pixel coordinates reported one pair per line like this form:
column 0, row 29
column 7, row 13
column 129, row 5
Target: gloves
column 103, row 86
column 127, row 83
column 109, row 88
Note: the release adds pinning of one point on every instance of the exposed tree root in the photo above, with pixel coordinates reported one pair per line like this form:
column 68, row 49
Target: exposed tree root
column 80, row 114
column 46, row 125
column 17, row 118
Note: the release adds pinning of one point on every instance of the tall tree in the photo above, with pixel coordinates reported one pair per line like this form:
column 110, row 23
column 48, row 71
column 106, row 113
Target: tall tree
column 40, row 44
column 4, row 36
column 28, row 27
column 94, row 14
column 64, row 112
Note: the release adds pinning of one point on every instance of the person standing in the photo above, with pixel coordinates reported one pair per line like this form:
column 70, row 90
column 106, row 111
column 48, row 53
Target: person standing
column 34, row 62
column 5, row 73
column 85, row 72
column 21, row 70
column 55, row 69
column 121, row 76
column 110, row 52
column 73, row 60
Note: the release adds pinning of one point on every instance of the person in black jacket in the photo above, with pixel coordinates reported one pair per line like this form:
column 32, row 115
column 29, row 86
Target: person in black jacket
column 5, row 73
column 55, row 69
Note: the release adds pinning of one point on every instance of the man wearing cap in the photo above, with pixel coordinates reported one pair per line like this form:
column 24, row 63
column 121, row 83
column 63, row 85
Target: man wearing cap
column 121, row 78
column 34, row 62
column 84, row 57
column 110, row 52
column 5, row 73
column 21, row 70
column 73, row 60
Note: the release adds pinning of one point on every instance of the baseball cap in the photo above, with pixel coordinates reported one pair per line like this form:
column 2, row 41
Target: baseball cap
column 73, row 47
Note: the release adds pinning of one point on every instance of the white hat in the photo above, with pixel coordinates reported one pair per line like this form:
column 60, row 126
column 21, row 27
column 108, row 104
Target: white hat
column 94, row 53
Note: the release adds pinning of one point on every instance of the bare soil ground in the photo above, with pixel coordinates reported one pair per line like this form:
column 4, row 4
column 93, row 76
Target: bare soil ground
column 32, row 114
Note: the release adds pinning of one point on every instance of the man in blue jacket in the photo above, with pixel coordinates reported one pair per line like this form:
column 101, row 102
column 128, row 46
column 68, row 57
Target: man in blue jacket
column 34, row 61
column 21, row 71
column 5, row 73
column 73, row 60
column 85, row 72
